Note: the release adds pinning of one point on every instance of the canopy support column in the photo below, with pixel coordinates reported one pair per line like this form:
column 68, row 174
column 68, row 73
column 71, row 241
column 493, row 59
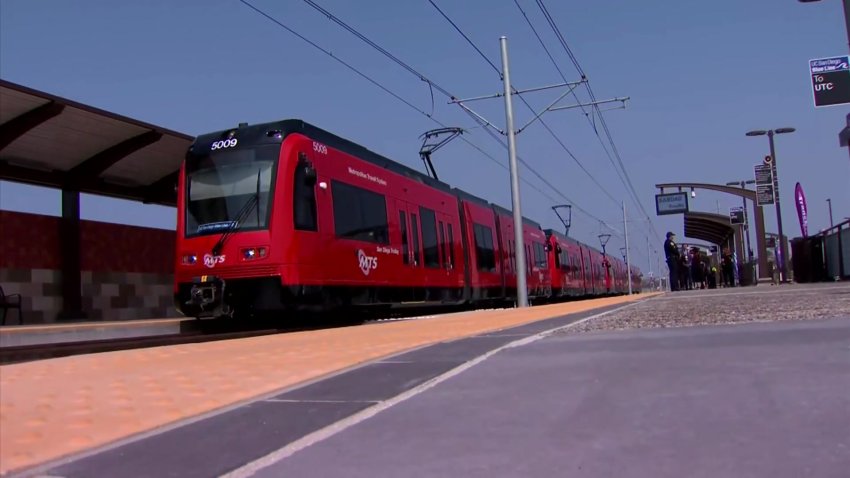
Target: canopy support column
column 69, row 249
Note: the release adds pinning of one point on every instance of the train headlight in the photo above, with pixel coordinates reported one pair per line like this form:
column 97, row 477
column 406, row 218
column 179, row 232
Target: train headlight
column 252, row 253
column 190, row 259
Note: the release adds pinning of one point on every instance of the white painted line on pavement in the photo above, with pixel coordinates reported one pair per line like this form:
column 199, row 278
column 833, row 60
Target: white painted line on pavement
column 322, row 434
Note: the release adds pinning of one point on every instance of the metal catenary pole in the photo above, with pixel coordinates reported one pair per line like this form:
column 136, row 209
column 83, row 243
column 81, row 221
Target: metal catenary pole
column 510, row 132
column 782, row 273
column 628, row 257
column 522, row 291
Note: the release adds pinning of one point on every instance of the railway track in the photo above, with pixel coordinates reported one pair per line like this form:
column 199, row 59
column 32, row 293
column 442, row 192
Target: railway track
column 27, row 353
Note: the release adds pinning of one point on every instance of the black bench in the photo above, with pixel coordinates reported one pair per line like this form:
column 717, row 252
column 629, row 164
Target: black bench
column 12, row 301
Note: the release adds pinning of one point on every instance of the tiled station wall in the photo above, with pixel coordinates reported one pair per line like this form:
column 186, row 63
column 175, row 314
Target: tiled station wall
column 126, row 270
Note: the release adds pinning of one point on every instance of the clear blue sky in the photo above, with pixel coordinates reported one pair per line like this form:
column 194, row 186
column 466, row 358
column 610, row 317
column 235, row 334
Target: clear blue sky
column 699, row 76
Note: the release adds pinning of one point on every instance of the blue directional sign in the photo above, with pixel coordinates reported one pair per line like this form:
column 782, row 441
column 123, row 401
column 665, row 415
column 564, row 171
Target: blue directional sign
column 830, row 80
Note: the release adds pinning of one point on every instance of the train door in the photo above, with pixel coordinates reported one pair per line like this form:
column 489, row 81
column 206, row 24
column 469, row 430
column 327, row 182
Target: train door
column 588, row 275
column 411, row 249
column 445, row 244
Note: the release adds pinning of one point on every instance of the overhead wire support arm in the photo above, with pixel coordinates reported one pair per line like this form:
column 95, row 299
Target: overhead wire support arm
column 592, row 103
column 570, row 84
column 519, row 92
column 488, row 123
column 538, row 115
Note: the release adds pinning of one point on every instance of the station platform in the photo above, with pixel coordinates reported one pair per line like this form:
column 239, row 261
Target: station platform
column 60, row 410
column 726, row 382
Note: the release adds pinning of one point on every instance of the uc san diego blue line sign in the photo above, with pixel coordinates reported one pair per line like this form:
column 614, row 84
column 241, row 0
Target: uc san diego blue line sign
column 830, row 80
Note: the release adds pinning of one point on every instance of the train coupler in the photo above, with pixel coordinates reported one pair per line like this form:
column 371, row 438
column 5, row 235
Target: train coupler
column 207, row 296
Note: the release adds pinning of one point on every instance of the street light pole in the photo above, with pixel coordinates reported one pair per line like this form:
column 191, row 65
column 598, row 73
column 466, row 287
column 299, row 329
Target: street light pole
column 782, row 252
column 829, row 201
column 782, row 273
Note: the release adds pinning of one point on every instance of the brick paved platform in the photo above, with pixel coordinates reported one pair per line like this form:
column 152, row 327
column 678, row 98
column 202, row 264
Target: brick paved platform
column 53, row 408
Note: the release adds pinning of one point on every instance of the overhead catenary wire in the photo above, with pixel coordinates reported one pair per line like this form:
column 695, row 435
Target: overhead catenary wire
column 390, row 92
column 578, row 101
column 437, row 87
column 562, row 40
column 564, row 77
column 422, row 112
column 466, row 37
column 545, row 125
column 542, row 121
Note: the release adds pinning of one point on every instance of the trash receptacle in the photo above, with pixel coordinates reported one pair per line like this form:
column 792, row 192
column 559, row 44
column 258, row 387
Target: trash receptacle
column 807, row 259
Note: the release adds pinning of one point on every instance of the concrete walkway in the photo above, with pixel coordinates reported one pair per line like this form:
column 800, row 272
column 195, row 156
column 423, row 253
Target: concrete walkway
column 759, row 400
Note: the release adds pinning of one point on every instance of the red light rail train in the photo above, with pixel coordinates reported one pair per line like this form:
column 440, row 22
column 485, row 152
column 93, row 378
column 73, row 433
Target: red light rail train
column 285, row 216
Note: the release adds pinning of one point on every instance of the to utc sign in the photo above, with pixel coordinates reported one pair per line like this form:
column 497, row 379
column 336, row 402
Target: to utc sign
column 830, row 80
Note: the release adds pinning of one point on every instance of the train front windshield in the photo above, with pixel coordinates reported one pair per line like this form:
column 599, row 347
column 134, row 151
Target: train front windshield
column 224, row 184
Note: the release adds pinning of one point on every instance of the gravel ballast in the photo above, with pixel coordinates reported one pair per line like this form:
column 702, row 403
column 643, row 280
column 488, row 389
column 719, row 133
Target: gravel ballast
column 763, row 303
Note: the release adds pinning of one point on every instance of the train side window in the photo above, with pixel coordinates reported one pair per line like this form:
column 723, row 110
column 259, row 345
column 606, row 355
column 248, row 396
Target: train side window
column 451, row 244
column 540, row 255
column 511, row 256
column 414, row 231
column 486, row 255
column 429, row 237
column 359, row 214
column 405, row 249
column 303, row 198
column 445, row 247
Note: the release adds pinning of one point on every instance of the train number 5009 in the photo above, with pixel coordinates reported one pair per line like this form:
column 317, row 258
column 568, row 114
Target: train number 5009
column 227, row 143
column 320, row 148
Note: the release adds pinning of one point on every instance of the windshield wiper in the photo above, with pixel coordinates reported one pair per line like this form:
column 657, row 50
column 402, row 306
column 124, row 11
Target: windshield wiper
column 236, row 224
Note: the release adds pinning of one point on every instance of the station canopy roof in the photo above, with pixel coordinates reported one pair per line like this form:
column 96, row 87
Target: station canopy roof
column 712, row 228
column 51, row 141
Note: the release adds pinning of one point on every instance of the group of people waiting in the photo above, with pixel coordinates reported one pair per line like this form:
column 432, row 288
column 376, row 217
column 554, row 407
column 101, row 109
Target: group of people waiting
column 689, row 270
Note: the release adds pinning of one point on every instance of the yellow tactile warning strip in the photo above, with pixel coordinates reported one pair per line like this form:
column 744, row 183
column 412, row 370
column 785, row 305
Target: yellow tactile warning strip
column 56, row 407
